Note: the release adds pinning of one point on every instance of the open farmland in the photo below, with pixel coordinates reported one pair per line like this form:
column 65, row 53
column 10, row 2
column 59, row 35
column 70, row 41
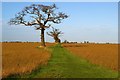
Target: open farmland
column 22, row 57
column 105, row 55
column 63, row 64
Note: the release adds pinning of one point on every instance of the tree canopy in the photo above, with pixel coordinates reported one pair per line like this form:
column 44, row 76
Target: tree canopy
column 38, row 15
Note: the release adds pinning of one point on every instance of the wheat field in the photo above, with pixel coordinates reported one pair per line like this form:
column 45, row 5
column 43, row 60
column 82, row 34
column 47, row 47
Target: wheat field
column 105, row 55
column 18, row 58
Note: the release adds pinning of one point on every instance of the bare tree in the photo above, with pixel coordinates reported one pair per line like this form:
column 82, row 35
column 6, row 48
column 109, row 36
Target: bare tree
column 55, row 33
column 39, row 16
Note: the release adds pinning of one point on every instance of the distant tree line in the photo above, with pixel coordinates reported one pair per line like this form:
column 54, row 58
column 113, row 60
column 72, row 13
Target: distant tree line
column 65, row 41
column 85, row 42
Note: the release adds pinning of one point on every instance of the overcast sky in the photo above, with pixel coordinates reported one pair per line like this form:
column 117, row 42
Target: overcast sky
column 88, row 21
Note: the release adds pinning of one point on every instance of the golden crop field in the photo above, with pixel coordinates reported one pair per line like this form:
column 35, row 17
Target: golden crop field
column 101, row 54
column 22, row 57
column 19, row 58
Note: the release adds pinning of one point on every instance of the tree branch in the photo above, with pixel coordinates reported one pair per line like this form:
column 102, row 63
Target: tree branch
column 41, row 14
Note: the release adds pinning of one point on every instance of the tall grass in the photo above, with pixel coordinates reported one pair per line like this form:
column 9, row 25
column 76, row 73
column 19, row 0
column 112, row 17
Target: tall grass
column 63, row 64
column 20, row 58
column 105, row 55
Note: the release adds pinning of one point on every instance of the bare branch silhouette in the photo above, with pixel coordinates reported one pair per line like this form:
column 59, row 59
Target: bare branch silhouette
column 55, row 33
column 39, row 16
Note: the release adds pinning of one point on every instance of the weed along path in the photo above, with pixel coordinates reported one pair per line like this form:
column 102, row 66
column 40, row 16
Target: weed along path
column 63, row 64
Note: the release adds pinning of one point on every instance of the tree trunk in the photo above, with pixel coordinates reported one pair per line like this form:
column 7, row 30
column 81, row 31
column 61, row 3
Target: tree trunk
column 42, row 38
column 57, row 40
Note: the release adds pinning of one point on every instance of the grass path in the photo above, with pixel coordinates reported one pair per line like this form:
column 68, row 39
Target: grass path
column 63, row 64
